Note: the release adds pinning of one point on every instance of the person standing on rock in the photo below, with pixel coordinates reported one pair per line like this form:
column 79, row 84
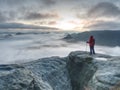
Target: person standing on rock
column 91, row 43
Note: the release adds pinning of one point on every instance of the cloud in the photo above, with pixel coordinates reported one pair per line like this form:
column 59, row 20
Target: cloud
column 22, row 26
column 46, row 22
column 28, row 3
column 2, row 17
column 52, row 23
column 104, row 9
column 12, row 2
column 102, row 16
column 7, row 16
column 37, row 16
column 49, row 2
column 49, row 12
column 104, row 25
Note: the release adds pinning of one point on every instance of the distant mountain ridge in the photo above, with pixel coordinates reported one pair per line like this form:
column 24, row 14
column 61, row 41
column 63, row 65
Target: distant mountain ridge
column 107, row 38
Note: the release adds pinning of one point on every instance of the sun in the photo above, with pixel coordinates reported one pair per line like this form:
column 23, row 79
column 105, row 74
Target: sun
column 65, row 25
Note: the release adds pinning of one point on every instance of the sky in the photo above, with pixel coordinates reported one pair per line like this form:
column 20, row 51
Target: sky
column 60, row 14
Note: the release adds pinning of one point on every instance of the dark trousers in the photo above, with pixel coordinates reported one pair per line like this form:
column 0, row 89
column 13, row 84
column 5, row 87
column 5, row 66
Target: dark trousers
column 92, row 51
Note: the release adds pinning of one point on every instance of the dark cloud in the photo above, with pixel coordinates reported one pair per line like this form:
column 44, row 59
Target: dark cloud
column 103, row 16
column 11, row 2
column 37, row 16
column 2, row 17
column 49, row 2
column 31, row 3
column 22, row 26
column 104, row 25
column 7, row 16
column 49, row 12
column 104, row 9
column 16, row 2
column 13, row 15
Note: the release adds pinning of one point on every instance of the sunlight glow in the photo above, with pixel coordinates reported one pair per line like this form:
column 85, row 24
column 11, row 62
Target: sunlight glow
column 71, row 24
column 66, row 25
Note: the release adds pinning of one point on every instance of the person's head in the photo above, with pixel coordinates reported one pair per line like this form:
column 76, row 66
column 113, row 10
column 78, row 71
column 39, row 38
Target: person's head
column 91, row 36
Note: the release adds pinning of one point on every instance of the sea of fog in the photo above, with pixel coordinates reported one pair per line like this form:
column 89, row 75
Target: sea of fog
column 23, row 47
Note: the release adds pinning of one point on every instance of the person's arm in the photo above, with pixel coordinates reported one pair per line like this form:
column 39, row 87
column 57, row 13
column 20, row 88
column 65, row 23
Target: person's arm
column 88, row 41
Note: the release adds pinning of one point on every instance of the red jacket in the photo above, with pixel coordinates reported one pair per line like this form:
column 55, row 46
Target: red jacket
column 91, row 41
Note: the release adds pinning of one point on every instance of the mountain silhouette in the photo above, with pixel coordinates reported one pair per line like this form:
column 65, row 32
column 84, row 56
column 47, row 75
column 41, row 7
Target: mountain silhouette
column 106, row 38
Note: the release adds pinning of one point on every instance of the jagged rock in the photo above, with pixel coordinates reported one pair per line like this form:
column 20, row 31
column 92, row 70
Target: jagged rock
column 44, row 74
column 15, row 77
column 78, row 71
column 68, row 37
column 97, row 72
column 53, row 71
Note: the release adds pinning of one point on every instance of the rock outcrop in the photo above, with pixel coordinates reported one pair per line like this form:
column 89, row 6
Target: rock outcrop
column 97, row 72
column 78, row 71
column 15, row 77
column 53, row 71
column 43, row 74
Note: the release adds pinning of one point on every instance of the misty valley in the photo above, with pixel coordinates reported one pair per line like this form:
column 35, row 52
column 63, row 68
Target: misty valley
column 25, row 46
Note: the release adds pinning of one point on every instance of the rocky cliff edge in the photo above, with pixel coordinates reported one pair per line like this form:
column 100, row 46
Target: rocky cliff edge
column 77, row 71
